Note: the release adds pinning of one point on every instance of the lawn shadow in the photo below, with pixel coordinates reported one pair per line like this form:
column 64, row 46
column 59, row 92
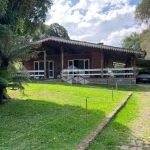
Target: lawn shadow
column 37, row 124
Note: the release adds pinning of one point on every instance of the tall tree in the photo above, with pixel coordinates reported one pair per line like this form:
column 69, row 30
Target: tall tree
column 132, row 41
column 25, row 16
column 40, row 33
column 57, row 30
column 145, row 42
column 142, row 11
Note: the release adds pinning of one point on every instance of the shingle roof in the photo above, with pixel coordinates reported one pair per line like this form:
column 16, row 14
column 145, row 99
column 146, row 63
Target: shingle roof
column 92, row 45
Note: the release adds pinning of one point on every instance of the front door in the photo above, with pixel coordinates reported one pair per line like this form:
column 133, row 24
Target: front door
column 51, row 69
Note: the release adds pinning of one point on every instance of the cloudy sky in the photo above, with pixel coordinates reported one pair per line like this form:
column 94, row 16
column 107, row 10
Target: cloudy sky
column 107, row 21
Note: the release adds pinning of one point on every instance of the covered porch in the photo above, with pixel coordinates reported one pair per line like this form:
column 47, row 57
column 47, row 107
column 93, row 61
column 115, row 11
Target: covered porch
column 110, row 75
column 96, row 61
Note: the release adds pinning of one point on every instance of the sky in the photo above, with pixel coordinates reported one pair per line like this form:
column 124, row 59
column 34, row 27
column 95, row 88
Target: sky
column 107, row 21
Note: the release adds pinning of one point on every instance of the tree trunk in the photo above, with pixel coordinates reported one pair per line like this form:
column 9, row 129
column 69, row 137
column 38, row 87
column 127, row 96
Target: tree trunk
column 1, row 95
column 5, row 63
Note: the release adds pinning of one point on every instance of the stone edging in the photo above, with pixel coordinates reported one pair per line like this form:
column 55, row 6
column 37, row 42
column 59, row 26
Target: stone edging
column 90, row 138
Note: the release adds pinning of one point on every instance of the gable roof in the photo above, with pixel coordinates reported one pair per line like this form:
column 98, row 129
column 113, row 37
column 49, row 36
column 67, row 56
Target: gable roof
column 92, row 45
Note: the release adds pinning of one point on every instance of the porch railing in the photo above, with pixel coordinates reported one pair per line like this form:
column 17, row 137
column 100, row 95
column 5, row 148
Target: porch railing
column 35, row 73
column 38, row 73
column 87, row 72
column 98, row 72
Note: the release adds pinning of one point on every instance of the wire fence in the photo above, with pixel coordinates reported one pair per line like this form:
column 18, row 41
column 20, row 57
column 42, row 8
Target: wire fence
column 80, row 116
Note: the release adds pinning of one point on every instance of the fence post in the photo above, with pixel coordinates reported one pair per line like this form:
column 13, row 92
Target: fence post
column 112, row 94
column 86, row 110
column 116, row 86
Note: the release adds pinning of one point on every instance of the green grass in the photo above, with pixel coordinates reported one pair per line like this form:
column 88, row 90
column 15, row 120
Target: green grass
column 53, row 116
column 127, row 122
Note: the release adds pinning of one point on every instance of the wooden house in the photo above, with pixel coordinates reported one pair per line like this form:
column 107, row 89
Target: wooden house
column 98, row 61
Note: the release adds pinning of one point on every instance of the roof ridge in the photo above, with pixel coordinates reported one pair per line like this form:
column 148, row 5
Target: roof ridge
column 89, row 44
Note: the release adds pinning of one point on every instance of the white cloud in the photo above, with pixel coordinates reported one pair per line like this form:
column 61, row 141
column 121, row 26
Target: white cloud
column 95, row 20
column 118, row 35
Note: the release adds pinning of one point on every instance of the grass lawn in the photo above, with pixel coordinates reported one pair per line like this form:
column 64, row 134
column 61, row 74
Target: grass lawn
column 53, row 116
column 132, row 122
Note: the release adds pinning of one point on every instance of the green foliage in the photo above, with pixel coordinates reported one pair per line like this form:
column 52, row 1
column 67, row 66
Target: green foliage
column 24, row 16
column 14, row 48
column 142, row 12
column 3, row 7
column 3, row 83
column 5, row 74
column 145, row 42
column 19, row 75
column 53, row 30
column 132, row 42
column 57, row 30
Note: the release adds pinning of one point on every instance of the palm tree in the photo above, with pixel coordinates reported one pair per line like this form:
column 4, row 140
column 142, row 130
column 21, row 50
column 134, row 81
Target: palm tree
column 14, row 49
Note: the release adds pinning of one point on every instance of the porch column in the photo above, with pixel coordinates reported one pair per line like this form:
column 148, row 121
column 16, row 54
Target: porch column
column 102, row 64
column 62, row 58
column 44, row 64
column 134, row 67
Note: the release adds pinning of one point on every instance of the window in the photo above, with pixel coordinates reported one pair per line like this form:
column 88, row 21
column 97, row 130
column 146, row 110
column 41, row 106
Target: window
column 39, row 65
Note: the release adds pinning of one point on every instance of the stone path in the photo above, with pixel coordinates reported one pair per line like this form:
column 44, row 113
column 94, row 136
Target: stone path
column 135, row 144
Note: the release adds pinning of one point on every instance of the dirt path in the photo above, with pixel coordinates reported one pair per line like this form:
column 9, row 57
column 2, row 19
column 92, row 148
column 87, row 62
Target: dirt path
column 143, row 123
column 141, row 126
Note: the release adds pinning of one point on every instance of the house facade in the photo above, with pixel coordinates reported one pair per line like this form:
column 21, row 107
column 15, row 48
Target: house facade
column 96, row 60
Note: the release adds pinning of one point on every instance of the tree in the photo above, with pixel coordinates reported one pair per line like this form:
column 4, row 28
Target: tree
column 132, row 41
column 39, row 34
column 24, row 16
column 142, row 11
column 13, row 49
column 57, row 30
column 145, row 42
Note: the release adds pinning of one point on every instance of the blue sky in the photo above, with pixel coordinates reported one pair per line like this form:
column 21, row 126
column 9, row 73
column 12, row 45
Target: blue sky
column 107, row 21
